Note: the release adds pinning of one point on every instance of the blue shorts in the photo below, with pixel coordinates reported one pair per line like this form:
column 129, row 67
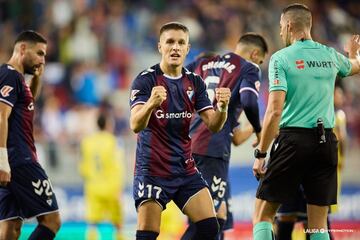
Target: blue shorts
column 29, row 194
column 229, row 224
column 162, row 189
column 215, row 172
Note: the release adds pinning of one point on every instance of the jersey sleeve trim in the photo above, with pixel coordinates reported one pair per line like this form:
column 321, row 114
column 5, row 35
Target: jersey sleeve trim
column 204, row 108
column 137, row 103
column 7, row 102
column 278, row 88
column 249, row 89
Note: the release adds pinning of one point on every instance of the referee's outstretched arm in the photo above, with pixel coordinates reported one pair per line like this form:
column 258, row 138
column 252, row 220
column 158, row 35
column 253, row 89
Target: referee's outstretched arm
column 353, row 49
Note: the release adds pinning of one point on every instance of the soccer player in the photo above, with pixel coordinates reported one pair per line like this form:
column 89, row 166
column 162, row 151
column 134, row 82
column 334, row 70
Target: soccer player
column 102, row 170
column 163, row 99
column 301, row 84
column 26, row 190
column 240, row 72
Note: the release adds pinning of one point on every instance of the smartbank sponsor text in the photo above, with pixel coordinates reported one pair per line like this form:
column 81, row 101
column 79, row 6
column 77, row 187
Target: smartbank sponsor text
column 161, row 115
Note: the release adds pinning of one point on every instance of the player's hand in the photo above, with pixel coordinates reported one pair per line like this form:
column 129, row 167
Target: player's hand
column 259, row 168
column 158, row 95
column 39, row 71
column 352, row 47
column 257, row 140
column 4, row 178
column 222, row 97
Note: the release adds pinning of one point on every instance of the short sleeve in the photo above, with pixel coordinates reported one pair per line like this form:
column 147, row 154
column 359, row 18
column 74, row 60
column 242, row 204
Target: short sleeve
column 140, row 89
column 277, row 76
column 9, row 88
column 343, row 64
column 202, row 99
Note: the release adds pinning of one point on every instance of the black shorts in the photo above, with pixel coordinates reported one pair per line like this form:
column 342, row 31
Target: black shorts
column 296, row 208
column 297, row 158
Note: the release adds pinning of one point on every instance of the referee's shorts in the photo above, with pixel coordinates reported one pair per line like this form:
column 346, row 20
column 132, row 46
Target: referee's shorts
column 297, row 158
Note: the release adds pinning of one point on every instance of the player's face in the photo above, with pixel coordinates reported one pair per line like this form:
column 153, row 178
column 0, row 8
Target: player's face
column 174, row 46
column 284, row 31
column 34, row 57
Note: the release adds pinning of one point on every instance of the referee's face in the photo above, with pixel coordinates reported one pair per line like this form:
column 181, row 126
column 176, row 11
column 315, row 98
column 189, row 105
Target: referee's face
column 174, row 46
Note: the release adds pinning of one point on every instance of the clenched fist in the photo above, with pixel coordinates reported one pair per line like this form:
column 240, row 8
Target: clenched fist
column 158, row 95
column 222, row 97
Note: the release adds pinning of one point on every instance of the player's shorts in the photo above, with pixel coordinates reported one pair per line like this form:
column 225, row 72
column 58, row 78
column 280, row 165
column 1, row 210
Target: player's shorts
column 297, row 158
column 161, row 189
column 296, row 208
column 100, row 208
column 229, row 224
column 215, row 172
column 29, row 194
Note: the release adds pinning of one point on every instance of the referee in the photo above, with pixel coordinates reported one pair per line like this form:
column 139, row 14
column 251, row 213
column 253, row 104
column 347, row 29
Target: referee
column 301, row 85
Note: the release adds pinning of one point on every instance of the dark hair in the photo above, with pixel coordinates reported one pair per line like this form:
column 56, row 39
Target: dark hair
column 101, row 121
column 295, row 7
column 255, row 39
column 30, row 36
column 173, row 26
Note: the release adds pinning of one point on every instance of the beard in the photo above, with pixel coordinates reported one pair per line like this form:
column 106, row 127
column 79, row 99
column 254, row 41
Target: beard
column 29, row 68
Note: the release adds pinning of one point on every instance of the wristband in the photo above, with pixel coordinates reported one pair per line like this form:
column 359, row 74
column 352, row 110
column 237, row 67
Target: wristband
column 222, row 109
column 4, row 162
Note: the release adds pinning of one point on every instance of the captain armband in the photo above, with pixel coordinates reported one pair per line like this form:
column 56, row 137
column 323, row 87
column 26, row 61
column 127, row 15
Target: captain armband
column 4, row 162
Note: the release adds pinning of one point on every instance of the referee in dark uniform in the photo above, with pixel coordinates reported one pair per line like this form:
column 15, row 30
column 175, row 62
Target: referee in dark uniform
column 301, row 85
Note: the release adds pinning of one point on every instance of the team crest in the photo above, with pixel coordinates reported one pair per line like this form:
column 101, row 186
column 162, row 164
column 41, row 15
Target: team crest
column 190, row 92
column 5, row 90
column 133, row 94
column 257, row 85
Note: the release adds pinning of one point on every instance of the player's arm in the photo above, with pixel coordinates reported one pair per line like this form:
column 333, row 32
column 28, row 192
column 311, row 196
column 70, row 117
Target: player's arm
column 5, row 111
column 35, row 84
column 215, row 120
column 240, row 135
column 249, row 93
column 141, row 113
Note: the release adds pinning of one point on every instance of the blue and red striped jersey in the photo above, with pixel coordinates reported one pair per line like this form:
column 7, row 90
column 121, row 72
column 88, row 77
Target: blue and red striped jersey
column 15, row 93
column 243, row 79
column 164, row 146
